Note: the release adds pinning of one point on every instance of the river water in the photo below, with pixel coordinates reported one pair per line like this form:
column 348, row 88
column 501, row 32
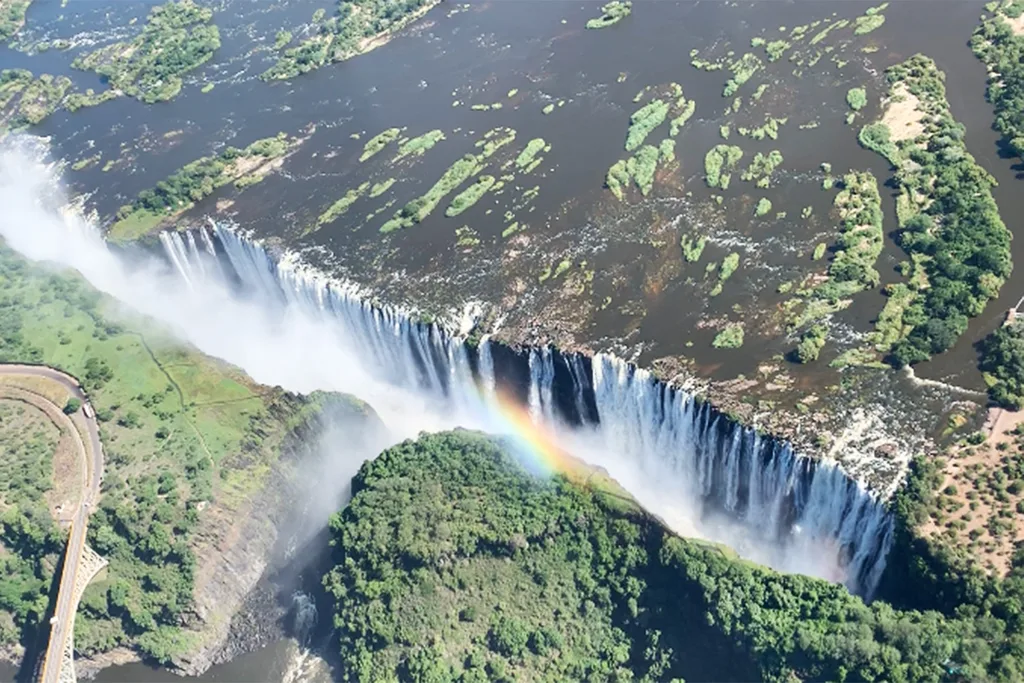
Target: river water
column 478, row 53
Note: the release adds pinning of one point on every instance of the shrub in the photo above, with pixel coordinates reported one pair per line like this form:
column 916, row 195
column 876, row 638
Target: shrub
column 731, row 337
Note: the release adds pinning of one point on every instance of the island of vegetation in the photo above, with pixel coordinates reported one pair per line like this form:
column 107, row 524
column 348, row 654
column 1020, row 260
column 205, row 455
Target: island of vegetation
column 176, row 39
column 999, row 43
column 197, row 180
column 667, row 103
column 26, row 101
column 612, row 13
column 454, row 563
column 12, row 17
column 359, row 26
column 190, row 443
column 459, row 172
column 949, row 223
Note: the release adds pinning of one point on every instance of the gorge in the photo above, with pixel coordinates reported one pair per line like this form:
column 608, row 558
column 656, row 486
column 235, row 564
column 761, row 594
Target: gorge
column 685, row 461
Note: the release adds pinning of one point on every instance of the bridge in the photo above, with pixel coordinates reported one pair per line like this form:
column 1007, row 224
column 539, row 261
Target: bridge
column 81, row 563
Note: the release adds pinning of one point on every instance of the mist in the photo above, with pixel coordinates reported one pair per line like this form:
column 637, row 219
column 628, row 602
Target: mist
column 280, row 343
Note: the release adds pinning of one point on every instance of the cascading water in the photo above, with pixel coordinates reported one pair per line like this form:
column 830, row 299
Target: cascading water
column 304, row 616
column 685, row 461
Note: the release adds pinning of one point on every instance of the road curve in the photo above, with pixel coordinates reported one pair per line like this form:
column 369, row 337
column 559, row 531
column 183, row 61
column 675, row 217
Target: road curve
column 61, row 626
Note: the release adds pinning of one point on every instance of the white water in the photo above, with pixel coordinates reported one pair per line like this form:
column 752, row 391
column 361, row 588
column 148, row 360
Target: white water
column 701, row 473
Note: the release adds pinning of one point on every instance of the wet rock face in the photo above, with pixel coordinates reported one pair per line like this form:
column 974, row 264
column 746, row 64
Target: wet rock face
column 259, row 622
column 242, row 596
column 228, row 614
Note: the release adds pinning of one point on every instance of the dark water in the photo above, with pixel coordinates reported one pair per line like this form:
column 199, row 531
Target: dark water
column 477, row 55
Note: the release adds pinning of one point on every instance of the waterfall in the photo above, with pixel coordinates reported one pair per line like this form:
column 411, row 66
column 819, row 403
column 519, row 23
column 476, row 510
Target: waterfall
column 304, row 616
column 702, row 472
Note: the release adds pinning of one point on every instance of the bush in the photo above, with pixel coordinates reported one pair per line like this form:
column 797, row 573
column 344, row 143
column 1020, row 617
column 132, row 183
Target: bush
column 857, row 98
column 72, row 406
column 811, row 343
column 509, row 637
column 729, row 338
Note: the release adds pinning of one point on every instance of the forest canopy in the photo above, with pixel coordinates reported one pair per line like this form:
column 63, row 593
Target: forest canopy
column 452, row 562
column 950, row 226
column 176, row 39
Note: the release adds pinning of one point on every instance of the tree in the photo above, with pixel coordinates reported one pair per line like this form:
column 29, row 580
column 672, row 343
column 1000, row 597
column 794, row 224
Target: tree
column 72, row 406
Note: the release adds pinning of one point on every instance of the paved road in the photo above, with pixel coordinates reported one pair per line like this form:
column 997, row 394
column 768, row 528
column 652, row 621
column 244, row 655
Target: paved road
column 93, row 456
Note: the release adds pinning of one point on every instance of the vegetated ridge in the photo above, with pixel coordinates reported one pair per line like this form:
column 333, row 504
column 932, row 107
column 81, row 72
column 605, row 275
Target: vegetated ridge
column 949, row 223
column 453, row 562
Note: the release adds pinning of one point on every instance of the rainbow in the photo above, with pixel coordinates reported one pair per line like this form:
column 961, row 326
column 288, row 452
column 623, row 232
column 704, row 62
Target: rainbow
column 537, row 442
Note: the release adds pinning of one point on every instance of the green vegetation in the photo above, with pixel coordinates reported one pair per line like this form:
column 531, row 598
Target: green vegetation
column 530, row 152
column 31, row 540
column 85, row 162
column 641, row 167
column 878, row 138
column 12, row 17
column 764, row 205
column 729, row 265
column 470, row 196
column 775, row 49
column 195, row 181
column 450, row 540
column 861, row 238
column 667, row 150
column 617, row 179
column 718, row 159
column 380, row 188
column 281, row 39
column 612, row 13
column 379, row 142
column 742, row 69
column 419, row 145
column 819, row 251
column 463, row 169
column 643, row 121
column 688, row 107
column 466, row 237
column 1002, row 51
column 871, row 19
column 90, row 98
column 770, row 129
column 857, row 98
column 692, row 248
column 358, row 26
column 72, row 406
column 341, row 207
column 731, row 337
column 762, row 167
column 950, row 224
column 181, row 432
column 176, row 39
column 1002, row 361
column 811, row 343
column 890, row 328
column 25, row 101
